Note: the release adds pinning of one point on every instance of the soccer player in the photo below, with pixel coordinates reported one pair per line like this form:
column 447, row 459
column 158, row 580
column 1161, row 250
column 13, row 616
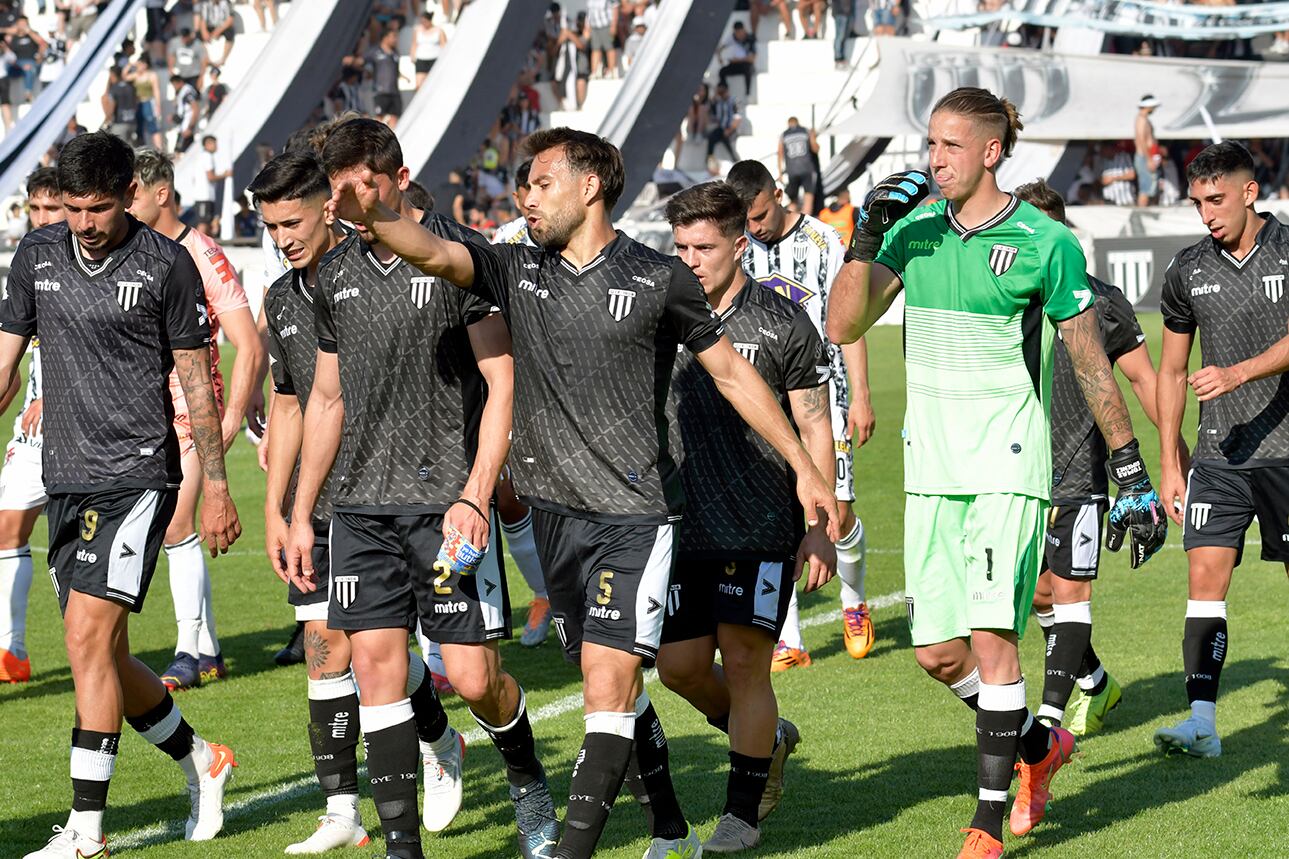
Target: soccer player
column 1229, row 286
column 1063, row 596
column 744, row 540
column 979, row 271
column 397, row 403
column 115, row 305
column 22, row 486
column 197, row 657
column 798, row 256
column 516, row 232
column 597, row 319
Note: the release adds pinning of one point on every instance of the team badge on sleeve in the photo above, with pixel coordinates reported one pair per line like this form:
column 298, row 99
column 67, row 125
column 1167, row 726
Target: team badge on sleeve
column 127, row 293
column 620, row 303
column 1001, row 258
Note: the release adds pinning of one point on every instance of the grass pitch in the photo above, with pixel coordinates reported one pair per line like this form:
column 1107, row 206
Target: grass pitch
column 885, row 767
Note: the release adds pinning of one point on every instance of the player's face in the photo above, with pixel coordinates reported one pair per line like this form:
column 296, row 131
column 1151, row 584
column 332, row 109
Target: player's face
column 146, row 203
column 713, row 257
column 1223, row 204
column 298, row 228
column 44, row 209
column 961, row 150
column 555, row 206
column 765, row 217
column 98, row 220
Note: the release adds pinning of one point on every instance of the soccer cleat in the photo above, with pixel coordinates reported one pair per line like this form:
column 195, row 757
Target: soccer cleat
column 857, row 630
column 688, row 847
column 206, row 796
column 442, row 784
column 1189, row 737
column 980, row 845
column 182, row 673
column 211, row 668
column 13, row 669
column 70, row 844
column 1033, row 792
column 788, row 738
column 731, row 835
column 1088, row 712
column 539, row 622
column 789, row 657
column 292, row 653
column 535, row 819
column 333, row 831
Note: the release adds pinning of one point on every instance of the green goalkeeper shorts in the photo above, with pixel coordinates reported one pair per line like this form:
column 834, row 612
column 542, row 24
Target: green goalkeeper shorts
column 970, row 562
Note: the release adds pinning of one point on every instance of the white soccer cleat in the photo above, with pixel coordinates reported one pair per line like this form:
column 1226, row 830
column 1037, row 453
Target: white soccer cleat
column 442, row 784
column 333, row 831
column 1189, row 737
column 732, row 835
column 688, row 847
column 214, row 769
column 70, row 844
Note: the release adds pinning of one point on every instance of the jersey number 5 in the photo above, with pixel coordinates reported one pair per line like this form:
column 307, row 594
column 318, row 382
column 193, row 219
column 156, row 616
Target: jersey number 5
column 605, row 596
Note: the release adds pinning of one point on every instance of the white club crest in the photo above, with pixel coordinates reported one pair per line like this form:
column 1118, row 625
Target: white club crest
column 1001, row 258
column 127, row 293
column 748, row 351
column 346, row 590
column 1199, row 515
column 419, row 291
column 1273, row 286
column 620, row 303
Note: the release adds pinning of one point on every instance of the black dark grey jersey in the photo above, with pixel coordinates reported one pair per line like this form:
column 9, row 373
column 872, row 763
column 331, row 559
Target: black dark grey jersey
column 1078, row 450
column 412, row 389
column 107, row 330
column 1241, row 309
column 740, row 494
column 594, row 351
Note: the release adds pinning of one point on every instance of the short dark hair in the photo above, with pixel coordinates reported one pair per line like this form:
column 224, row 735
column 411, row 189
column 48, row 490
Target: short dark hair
column 585, row 153
column 362, row 142
column 152, row 168
column 418, row 197
column 43, row 180
column 521, row 173
column 749, row 178
column 717, row 202
column 95, row 163
column 1044, row 197
column 1218, row 160
column 290, row 176
column 207, row 138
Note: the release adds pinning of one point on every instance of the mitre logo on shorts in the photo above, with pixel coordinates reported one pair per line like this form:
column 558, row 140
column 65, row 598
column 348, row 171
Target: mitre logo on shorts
column 600, row 611
column 457, row 607
column 346, row 589
column 127, row 293
column 419, row 291
column 620, row 303
column 1199, row 515
column 748, row 351
column 1001, row 258
column 1273, row 286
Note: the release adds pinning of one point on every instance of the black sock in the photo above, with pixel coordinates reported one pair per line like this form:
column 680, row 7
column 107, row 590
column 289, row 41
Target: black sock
column 1204, row 651
column 516, row 745
column 1088, row 668
column 635, row 784
column 1035, row 739
column 597, row 778
column 720, row 723
column 431, row 718
column 1070, row 640
column 93, row 758
column 668, row 821
column 165, row 727
column 746, row 784
column 333, row 737
column 999, row 717
column 389, row 736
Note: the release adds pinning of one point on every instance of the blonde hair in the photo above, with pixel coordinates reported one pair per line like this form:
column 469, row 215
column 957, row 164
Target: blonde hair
column 985, row 107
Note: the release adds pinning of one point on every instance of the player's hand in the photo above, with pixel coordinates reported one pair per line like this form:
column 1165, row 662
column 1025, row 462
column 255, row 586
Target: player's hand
column 299, row 557
column 219, row 525
column 257, row 420
column 891, row 199
column 819, row 499
column 466, row 519
column 860, row 421
column 1137, row 508
column 1212, row 382
column 1172, row 491
column 229, row 428
column 276, row 536
column 816, row 558
column 262, row 451
column 354, row 197
column 33, row 416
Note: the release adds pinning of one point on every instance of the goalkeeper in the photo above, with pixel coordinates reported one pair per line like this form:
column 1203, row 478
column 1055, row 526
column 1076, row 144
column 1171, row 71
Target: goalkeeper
column 979, row 272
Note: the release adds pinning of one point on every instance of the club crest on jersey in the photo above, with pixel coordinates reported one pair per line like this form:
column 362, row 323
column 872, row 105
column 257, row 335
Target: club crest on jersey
column 621, row 301
column 346, row 589
column 1001, row 258
column 127, row 293
column 1273, row 286
column 788, row 288
column 748, row 351
column 419, row 291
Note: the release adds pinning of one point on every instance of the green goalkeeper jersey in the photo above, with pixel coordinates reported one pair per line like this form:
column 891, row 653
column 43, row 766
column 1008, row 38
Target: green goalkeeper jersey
column 977, row 349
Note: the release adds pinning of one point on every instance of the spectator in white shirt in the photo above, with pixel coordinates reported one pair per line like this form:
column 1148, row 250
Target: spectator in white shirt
column 738, row 56
column 632, row 47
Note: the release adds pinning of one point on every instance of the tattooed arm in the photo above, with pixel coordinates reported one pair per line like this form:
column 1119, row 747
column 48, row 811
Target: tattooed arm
column 219, row 525
column 1092, row 369
column 812, row 414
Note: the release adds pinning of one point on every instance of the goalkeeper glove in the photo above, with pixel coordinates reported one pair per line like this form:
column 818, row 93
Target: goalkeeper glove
column 892, row 199
column 1137, row 509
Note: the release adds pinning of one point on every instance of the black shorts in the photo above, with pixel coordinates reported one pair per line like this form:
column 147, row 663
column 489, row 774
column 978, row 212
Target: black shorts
column 383, row 576
column 741, row 593
column 156, row 31
column 1221, row 504
column 423, row 66
column 389, row 103
column 322, row 570
column 105, row 543
column 798, row 183
column 607, row 583
column 1073, row 540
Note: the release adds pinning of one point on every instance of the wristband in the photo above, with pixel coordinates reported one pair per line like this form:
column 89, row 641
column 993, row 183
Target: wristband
column 472, row 506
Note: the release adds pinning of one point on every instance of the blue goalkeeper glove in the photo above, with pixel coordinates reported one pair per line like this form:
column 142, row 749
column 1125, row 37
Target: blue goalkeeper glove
column 892, row 198
column 1137, row 510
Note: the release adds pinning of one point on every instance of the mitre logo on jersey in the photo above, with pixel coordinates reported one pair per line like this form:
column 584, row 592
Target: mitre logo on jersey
column 620, row 303
column 1273, row 286
column 1199, row 515
column 419, row 291
column 346, row 589
column 1001, row 258
column 788, row 288
column 127, row 293
column 748, row 351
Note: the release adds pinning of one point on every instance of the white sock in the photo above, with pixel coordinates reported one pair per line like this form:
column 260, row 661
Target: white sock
column 523, row 548
column 851, row 566
column 432, row 654
column 967, row 686
column 198, row 759
column 15, row 585
column 87, row 823
column 186, row 569
column 343, row 805
column 1088, row 683
column 207, row 643
column 1205, row 712
column 1046, row 619
column 791, row 635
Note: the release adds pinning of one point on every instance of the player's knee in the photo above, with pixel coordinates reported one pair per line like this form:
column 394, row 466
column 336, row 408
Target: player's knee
column 680, row 675
column 942, row 663
column 475, row 685
column 745, row 666
column 88, row 642
column 608, row 688
column 13, row 532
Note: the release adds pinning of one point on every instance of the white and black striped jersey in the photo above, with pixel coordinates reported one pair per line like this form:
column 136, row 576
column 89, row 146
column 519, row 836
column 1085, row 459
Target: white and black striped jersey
column 1240, row 308
column 107, row 332
column 594, row 350
column 32, row 440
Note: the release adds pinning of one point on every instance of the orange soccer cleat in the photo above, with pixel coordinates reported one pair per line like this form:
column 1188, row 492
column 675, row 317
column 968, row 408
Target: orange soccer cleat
column 857, row 630
column 13, row 669
column 789, row 657
column 980, row 845
column 1033, row 792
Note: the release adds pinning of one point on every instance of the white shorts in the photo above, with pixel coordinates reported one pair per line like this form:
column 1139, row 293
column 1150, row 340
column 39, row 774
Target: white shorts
column 22, row 484
column 842, row 442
